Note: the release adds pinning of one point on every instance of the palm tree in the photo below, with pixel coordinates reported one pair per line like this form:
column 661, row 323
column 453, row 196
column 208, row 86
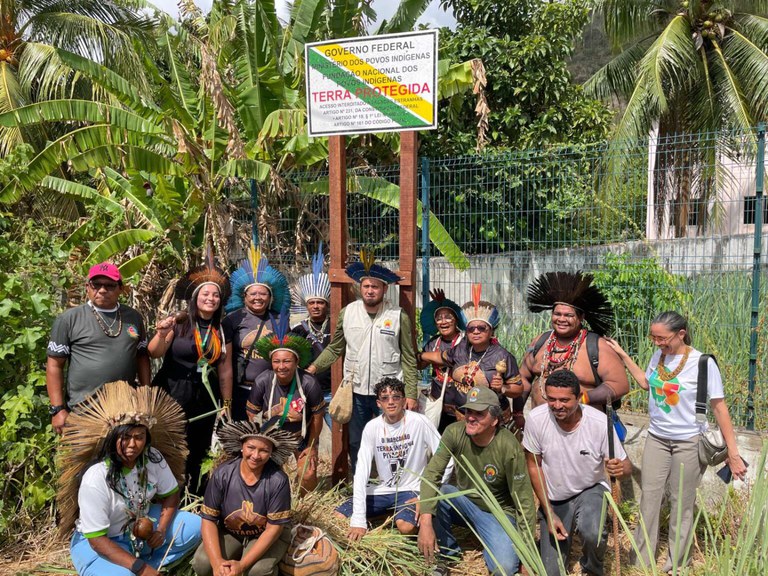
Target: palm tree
column 695, row 71
column 108, row 31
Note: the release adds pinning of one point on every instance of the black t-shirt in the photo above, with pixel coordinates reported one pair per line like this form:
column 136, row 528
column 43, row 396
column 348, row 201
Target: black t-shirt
column 242, row 328
column 298, row 409
column 437, row 344
column 242, row 510
column 318, row 345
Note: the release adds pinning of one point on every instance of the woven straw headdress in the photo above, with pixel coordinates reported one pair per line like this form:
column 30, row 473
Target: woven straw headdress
column 114, row 404
column 234, row 433
column 197, row 277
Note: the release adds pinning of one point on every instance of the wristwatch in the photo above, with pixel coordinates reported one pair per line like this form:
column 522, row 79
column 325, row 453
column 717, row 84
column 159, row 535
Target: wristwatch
column 53, row 410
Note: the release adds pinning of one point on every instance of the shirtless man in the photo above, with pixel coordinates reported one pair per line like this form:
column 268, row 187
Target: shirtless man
column 569, row 345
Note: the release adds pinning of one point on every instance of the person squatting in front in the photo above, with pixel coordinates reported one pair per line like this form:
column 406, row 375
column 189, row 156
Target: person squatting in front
column 120, row 459
column 291, row 396
column 400, row 443
column 567, row 453
column 246, row 511
column 495, row 454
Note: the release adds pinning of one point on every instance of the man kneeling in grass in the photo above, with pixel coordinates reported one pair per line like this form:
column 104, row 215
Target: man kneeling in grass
column 495, row 454
column 400, row 442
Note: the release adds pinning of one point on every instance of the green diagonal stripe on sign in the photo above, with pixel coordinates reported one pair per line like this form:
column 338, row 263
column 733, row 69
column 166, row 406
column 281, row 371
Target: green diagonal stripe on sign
column 349, row 81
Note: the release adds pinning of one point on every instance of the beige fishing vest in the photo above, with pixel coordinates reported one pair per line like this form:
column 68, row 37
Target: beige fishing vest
column 373, row 346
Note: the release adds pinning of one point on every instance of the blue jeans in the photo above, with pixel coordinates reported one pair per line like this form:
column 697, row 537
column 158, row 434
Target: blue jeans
column 327, row 416
column 377, row 505
column 462, row 511
column 88, row 563
column 582, row 514
column 364, row 409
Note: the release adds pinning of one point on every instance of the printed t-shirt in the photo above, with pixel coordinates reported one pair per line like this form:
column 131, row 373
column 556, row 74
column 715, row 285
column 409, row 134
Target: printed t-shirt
column 299, row 408
column 242, row 510
column 94, row 357
column 672, row 404
column 103, row 512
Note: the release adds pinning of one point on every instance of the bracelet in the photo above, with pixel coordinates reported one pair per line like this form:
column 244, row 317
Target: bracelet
column 227, row 402
column 584, row 398
column 137, row 566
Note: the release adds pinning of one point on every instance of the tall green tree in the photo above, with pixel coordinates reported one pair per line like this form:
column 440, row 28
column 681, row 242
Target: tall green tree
column 108, row 31
column 696, row 72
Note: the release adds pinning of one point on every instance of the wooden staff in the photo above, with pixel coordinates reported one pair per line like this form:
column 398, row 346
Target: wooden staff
column 615, row 492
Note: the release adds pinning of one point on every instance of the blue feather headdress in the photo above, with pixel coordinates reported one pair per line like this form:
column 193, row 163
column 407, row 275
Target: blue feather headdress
column 478, row 309
column 311, row 286
column 255, row 270
column 366, row 268
column 282, row 339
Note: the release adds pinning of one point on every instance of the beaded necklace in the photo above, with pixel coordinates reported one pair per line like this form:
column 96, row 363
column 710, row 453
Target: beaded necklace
column 317, row 333
column 136, row 502
column 567, row 356
column 665, row 375
column 468, row 380
column 107, row 329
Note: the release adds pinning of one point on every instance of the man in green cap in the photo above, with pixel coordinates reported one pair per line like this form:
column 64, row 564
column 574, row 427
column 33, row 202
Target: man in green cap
column 496, row 455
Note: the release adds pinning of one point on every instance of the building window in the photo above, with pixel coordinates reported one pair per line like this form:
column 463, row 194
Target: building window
column 749, row 209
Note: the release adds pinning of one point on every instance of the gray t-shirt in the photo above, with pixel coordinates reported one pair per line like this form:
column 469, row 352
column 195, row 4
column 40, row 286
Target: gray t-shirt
column 94, row 357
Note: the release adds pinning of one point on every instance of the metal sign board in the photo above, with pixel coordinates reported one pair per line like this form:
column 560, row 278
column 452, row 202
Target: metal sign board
column 372, row 84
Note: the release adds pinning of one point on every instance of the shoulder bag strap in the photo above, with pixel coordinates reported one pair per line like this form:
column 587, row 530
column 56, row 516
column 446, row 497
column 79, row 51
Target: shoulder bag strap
column 701, row 387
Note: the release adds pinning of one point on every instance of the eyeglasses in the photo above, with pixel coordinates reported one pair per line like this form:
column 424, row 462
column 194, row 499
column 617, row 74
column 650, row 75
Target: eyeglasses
column 661, row 340
column 394, row 398
column 106, row 285
column 481, row 328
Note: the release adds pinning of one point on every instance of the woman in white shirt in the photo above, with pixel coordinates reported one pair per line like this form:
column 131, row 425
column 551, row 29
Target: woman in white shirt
column 671, row 449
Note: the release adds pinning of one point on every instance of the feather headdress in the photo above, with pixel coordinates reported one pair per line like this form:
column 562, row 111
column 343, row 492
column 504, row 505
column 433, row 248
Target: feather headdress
column 314, row 285
column 234, row 433
column 208, row 273
column 439, row 302
column 114, row 404
column 367, row 268
column 575, row 290
column 282, row 339
column 478, row 309
column 255, row 270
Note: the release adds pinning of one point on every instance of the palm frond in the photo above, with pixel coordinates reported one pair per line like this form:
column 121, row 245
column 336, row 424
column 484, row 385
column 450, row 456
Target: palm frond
column 11, row 96
column 626, row 20
column 617, row 78
column 118, row 243
column 730, row 91
column 750, row 65
column 404, row 19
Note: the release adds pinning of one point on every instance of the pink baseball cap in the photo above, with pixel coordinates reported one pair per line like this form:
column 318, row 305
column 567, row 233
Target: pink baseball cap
column 106, row 269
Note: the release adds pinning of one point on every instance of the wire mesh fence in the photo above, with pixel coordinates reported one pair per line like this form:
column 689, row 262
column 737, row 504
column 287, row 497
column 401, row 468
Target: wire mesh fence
column 666, row 223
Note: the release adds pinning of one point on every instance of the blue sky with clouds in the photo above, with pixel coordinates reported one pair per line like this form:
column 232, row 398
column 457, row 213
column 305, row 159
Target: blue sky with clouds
column 433, row 16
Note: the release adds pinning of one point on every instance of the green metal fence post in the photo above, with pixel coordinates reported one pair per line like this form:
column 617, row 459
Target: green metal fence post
column 756, row 261
column 424, row 232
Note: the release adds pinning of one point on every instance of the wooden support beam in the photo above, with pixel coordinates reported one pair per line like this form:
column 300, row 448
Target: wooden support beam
column 409, row 143
column 337, row 153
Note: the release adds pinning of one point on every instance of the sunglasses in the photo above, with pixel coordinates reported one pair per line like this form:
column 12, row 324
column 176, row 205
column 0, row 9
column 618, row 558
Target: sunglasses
column 106, row 285
column 394, row 398
column 481, row 328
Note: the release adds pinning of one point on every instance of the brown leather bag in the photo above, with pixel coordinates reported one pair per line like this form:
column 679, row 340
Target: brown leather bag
column 311, row 553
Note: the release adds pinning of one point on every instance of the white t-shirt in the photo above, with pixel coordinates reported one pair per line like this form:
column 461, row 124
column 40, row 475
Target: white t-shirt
column 571, row 461
column 672, row 404
column 401, row 451
column 103, row 512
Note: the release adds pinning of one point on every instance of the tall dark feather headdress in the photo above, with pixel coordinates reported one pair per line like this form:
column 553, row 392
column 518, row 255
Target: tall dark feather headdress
column 574, row 289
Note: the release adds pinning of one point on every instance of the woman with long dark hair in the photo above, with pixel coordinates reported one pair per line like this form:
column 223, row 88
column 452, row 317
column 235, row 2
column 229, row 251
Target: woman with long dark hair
column 671, row 457
column 191, row 350
column 126, row 497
